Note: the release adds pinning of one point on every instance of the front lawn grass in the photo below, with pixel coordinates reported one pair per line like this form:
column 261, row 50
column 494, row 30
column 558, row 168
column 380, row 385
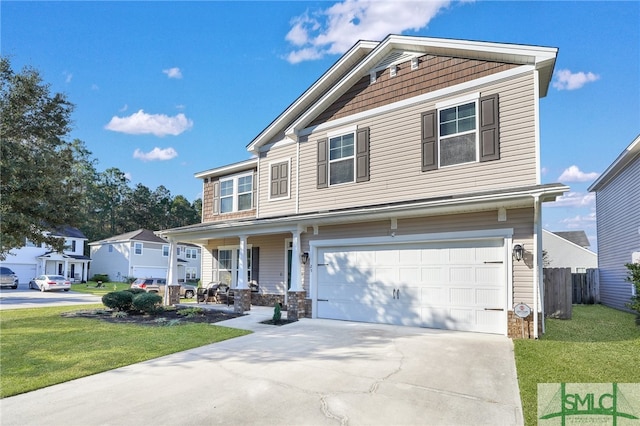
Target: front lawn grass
column 598, row 345
column 40, row 348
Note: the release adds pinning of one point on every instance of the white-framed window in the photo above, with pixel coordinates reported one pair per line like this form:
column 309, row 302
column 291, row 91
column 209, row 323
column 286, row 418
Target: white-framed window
column 228, row 265
column 191, row 253
column 178, row 251
column 342, row 159
column 165, row 250
column 236, row 193
column 190, row 273
column 457, row 134
column 137, row 248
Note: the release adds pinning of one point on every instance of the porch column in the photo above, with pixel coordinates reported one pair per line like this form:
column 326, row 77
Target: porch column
column 296, row 284
column 66, row 269
column 242, row 293
column 172, row 278
column 242, row 263
column 296, row 296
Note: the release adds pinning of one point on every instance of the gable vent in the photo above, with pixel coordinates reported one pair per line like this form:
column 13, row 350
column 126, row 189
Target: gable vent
column 395, row 58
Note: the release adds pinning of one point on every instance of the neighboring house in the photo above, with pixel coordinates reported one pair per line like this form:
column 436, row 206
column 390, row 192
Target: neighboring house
column 142, row 254
column 568, row 250
column 33, row 260
column 618, row 212
column 392, row 190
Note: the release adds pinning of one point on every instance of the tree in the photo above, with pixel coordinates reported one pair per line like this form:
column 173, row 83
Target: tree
column 36, row 162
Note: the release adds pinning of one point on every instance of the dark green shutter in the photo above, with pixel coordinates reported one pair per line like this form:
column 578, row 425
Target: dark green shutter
column 255, row 263
column 322, row 164
column 429, row 125
column 362, row 155
column 489, row 128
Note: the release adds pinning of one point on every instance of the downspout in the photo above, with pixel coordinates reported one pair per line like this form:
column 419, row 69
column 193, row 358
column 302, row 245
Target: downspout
column 298, row 176
column 537, row 288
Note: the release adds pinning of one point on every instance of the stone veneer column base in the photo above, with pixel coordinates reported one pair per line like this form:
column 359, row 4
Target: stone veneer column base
column 517, row 329
column 241, row 300
column 296, row 305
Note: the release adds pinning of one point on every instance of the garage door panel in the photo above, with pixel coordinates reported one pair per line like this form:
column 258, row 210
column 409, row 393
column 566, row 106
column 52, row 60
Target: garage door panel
column 441, row 285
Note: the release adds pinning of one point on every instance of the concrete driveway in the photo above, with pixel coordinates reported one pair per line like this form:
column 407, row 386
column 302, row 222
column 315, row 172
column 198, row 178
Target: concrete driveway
column 313, row 372
column 22, row 297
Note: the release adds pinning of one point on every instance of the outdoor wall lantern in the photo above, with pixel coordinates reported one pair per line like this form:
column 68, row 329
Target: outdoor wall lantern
column 518, row 251
column 304, row 257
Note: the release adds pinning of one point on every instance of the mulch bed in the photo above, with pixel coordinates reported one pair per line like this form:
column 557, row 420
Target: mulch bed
column 160, row 319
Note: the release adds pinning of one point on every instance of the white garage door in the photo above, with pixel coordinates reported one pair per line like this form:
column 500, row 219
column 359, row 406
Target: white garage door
column 25, row 272
column 455, row 285
column 146, row 272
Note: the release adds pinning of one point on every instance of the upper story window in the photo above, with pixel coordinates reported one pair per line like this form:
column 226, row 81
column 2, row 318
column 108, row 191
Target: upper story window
column 165, row 250
column 191, row 253
column 461, row 132
column 137, row 248
column 341, row 159
column 236, row 193
column 458, row 134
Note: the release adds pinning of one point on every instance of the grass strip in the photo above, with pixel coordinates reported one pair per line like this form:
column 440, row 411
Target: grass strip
column 40, row 348
column 598, row 345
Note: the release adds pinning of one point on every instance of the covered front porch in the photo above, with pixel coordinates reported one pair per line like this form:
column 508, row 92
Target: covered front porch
column 72, row 267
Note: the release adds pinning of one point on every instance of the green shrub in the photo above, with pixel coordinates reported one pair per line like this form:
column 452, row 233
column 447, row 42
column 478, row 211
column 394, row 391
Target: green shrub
column 191, row 312
column 135, row 291
column 277, row 315
column 118, row 300
column 634, row 279
column 148, row 303
column 100, row 277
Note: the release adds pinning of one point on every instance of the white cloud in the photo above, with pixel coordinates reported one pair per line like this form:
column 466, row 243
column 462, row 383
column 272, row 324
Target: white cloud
column 574, row 174
column 157, row 124
column 566, row 80
column 173, row 72
column 335, row 29
column 95, row 87
column 67, row 77
column 128, row 175
column 580, row 221
column 124, row 108
column 574, row 199
column 156, row 154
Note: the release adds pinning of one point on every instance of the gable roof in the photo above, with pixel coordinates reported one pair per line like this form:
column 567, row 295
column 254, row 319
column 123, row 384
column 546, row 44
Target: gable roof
column 577, row 237
column 138, row 235
column 68, row 231
column 620, row 163
column 365, row 56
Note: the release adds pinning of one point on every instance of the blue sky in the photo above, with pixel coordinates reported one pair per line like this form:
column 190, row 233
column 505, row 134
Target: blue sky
column 167, row 89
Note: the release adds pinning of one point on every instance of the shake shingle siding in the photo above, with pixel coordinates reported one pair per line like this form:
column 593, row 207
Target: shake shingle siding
column 618, row 207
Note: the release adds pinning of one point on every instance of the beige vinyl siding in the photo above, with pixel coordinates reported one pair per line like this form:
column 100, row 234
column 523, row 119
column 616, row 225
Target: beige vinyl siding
column 395, row 156
column 618, row 207
column 278, row 206
column 521, row 220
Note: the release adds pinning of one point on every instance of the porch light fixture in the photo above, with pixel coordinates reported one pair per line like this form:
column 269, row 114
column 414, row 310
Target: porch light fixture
column 518, row 252
column 304, row 257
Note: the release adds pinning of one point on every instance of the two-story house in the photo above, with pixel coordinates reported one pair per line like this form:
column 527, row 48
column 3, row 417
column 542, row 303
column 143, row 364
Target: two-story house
column 393, row 190
column 143, row 254
column 37, row 259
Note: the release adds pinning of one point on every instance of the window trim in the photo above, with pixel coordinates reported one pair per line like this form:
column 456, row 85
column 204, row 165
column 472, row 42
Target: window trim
column 235, row 194
column 135, row 249
column 456, row 102
column 280, row 197
column 353, row 130
column 165, row 250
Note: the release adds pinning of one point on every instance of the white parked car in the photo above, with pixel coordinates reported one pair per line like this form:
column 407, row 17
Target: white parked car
column 50, row 282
